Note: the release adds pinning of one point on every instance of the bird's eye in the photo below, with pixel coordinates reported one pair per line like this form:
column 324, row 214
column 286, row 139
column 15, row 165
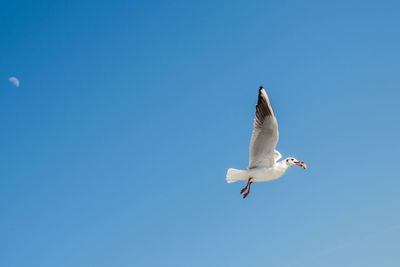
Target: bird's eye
column 292, row 159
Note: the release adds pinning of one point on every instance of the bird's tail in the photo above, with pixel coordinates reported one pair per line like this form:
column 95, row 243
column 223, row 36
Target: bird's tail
column 234, row 175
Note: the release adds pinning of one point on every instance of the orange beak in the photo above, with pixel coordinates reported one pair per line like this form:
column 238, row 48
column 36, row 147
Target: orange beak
column 301, row 164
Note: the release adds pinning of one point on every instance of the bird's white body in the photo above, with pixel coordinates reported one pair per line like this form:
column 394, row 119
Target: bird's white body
column 260, row 174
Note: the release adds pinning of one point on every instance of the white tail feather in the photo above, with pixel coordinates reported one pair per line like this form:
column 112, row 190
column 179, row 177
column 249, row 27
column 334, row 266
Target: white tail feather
column 234, row 175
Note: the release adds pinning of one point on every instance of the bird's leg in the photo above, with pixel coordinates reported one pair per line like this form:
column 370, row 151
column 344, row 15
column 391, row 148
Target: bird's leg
column 248, row 182
column 248, row 191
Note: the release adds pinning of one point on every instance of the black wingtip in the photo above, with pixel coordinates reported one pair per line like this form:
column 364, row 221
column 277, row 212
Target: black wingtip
column 261, row 87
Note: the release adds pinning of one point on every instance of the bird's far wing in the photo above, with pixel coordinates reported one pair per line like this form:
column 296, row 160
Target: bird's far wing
column 277, row 155
column 265, row 134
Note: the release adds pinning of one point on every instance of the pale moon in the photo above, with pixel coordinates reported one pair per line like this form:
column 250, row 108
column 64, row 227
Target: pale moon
column 14, row 81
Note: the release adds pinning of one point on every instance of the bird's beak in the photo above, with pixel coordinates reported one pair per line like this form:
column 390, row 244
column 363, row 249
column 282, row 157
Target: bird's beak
column 301, row 164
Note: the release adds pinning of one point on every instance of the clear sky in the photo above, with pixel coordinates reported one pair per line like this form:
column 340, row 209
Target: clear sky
column 115, row 146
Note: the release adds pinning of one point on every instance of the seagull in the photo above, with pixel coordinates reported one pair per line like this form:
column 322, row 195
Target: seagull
column 14, row 81
column 264, row 165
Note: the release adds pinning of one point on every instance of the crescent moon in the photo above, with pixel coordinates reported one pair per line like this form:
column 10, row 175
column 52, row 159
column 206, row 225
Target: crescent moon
column 14, row 81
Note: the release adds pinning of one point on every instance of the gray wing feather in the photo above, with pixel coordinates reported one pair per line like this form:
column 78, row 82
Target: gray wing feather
column 265, row 134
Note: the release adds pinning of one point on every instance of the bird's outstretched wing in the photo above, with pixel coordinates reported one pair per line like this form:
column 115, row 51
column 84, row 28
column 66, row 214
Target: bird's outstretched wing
column 265, row 134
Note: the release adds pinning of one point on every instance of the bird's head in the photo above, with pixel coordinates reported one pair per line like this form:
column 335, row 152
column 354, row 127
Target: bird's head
column 292, row 162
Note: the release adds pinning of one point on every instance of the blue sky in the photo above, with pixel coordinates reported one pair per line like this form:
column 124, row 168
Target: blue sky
column 115, row 146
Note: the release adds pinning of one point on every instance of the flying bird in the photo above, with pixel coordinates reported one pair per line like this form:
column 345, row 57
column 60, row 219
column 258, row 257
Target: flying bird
column 264, row 165
column 14, row 81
